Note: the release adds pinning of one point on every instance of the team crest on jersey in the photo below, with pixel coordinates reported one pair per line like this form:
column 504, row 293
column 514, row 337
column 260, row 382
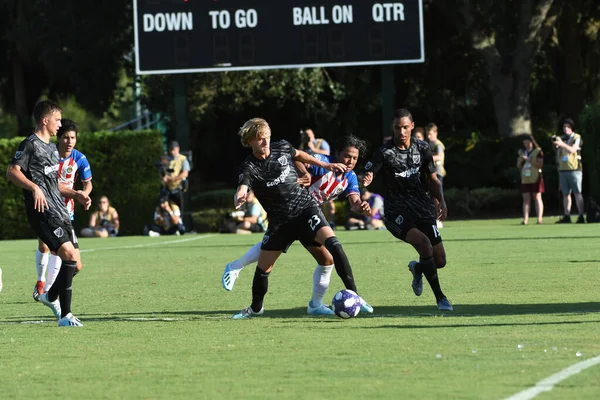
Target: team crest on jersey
column 265, row 239
column 69, row 169
column 283, row 160
column 241, row 178
column 18, row 155
column 339, row 190
column 368, row 165
column 416, row 158
column 399, row 220
column 59, row 232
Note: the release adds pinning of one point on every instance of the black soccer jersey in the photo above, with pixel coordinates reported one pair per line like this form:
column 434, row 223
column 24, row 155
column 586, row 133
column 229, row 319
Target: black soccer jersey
column 402, row 171
column 275, row 183
column 39, row 163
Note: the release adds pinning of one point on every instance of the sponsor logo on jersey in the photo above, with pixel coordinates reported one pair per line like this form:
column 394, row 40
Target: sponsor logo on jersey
column 283, row 160
column 416, row 158
column 59, row 232
column 407, row 174
column 49, row 170
column 18, row 155
column 280, row 178
column 368, row 165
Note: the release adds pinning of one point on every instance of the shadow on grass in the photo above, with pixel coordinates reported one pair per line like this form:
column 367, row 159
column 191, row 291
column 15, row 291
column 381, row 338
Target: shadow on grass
column 425, row 311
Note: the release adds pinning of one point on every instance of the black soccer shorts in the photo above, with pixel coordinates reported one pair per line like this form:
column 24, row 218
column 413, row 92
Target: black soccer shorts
column 399, row 225
column 304, row 228
column 51, row 230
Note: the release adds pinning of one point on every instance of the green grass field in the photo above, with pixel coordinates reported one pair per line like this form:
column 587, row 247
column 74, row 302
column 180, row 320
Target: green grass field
column 158, row 323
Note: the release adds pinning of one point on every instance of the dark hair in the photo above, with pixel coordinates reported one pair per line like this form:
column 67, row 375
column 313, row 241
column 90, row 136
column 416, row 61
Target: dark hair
column 67, row 125
column 430, row 126
column 43, row 108
column 532, row 140
column 403, row 112
column 352, row 141
column 569, row 121
column 417, row 130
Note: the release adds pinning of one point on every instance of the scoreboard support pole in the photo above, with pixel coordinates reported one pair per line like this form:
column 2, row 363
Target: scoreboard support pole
column 387, row 97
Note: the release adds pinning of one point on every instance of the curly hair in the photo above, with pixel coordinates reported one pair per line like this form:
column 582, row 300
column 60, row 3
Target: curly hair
column 67, row 125
column 352, row 141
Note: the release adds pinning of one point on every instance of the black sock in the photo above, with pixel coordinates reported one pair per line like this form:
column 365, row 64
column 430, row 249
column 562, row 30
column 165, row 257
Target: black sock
column 65, row 294
column 342, row 265
column 428, row 268
column 260, row 287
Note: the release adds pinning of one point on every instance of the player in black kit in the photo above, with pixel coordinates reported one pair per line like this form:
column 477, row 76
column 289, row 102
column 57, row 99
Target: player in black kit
column 293, row 213
column 34, row 168
column 410, row 214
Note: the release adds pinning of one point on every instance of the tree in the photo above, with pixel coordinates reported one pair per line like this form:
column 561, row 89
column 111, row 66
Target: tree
column 70, row 48
column 508, row 34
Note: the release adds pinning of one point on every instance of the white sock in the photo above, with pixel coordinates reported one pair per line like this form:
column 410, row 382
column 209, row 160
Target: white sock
column 321, row 279
column 41, row 263
column 251, row 255
column 53, row 268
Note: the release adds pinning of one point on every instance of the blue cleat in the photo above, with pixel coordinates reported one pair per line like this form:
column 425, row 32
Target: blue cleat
column 417, row 282
column 319, row 310
column 444, row 305
column 365, row 307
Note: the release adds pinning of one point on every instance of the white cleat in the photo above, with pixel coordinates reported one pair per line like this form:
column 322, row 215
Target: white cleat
column 248, row 313
column 319, row 310
column 54, row 305
column 230, row 275
column 69, row 320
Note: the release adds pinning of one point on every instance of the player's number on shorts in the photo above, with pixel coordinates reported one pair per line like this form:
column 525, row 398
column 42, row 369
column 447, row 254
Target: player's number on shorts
column 436, row 232
column 313, row 222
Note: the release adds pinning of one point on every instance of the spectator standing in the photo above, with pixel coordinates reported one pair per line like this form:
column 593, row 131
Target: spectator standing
column 175, row 174
column 568, row 152
column 530, row 162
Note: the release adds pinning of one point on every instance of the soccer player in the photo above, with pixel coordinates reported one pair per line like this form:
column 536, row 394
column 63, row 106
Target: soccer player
column 410, row 213
column 72, row 164
column 293, row 213
column 324, row 186
column 34, row 168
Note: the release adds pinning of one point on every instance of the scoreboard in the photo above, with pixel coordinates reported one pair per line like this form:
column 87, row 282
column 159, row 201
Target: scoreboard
column 187, row 36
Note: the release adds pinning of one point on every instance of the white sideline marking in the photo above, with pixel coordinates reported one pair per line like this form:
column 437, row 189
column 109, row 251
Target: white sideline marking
column 547, row 384
column 165, row 319
column 147, row 244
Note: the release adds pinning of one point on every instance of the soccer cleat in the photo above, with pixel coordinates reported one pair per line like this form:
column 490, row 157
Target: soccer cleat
column 365, row 307
column 320, row 310
column 417, row 282
column 69, row 320
column 444, row 305
column 153, row 234
column 38, row 289
column 231, row 274
column 248, row 313
column 54, row 305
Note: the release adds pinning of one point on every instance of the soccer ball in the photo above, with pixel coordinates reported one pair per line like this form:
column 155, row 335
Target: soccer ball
column 346, row 304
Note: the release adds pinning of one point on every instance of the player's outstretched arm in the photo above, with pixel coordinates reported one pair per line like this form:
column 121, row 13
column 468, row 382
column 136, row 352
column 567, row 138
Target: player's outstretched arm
column 16, row 176
column 240, row 196
column 308, row 159
column 78, row 195
column 358, row 206
column 366, row 178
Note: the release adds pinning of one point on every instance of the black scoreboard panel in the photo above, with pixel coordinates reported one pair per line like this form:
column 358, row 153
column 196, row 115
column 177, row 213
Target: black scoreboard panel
column 185, row 36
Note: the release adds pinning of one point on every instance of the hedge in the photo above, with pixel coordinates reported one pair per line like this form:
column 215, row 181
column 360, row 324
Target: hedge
column 123, row 167
column 590, row 132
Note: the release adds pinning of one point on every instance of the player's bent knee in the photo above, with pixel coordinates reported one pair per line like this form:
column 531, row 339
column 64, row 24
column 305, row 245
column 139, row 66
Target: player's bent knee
column 440, row 262
column 331, row 243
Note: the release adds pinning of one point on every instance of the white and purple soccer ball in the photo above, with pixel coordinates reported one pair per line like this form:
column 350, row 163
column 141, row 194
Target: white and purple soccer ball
column 346, row 304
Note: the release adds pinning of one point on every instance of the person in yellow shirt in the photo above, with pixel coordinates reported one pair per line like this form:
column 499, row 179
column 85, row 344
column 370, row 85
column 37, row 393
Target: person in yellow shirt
column 104, row 222
column 176, row 170
column 250, row 218
column 568, row 155
column 167, row 219
column 530, row 162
